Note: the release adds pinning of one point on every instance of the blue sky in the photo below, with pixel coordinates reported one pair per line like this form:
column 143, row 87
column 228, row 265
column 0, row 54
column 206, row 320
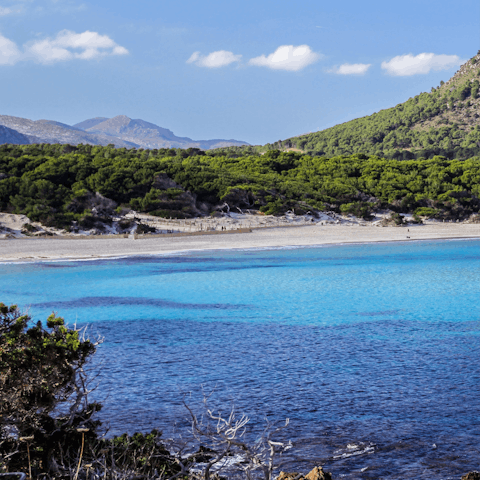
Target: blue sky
column 253, row 70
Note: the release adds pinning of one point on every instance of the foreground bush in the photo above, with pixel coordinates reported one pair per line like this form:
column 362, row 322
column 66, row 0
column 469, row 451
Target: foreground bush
column 46, row 421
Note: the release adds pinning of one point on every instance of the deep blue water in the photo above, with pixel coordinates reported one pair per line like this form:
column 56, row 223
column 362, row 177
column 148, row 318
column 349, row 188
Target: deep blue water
column 375, row 346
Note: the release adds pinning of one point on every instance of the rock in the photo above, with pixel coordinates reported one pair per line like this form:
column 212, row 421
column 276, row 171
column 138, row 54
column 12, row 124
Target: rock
column 204, row 455
column 316, row 474
column 471, row 476
column 290, row 476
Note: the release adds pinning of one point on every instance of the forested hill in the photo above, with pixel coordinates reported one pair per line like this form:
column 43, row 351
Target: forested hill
column 79, row 187
column 444, row 121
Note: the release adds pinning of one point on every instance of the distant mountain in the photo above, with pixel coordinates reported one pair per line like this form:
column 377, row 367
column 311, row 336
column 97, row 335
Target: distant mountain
column 444, row 121
column 7, row 135
column 120, row 131
column 148, row 135
column 90, row 123
column 49, row 131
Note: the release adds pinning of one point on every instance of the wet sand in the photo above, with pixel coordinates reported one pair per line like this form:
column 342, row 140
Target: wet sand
column 34, row 249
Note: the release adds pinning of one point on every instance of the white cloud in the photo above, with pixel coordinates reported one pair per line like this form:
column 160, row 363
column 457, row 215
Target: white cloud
column 68, row 45
column 46, row 7
column 221, row 58
column 65, row 46
column 351, row 69
column 9, row 52
column 194, row 57
column 405, row 65
column 4, row 11
column 287, row 57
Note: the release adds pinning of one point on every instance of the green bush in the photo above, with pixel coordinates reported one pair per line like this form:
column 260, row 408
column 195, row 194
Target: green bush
column 397, row 218
column 426, row 212
column 43, row 398
column 359, row 209
column 41, row 373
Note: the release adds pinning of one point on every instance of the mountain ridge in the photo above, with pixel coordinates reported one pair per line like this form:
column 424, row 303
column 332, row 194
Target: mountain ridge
column 121, row 131
column 149, row 135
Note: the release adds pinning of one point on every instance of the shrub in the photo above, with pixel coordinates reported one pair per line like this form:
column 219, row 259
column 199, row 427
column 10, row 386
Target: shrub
column 359, row 209
column 41, row 372
column 126, row 224
column 29, row 227
column 142, row 228
column 426, row 212
column 397, row 218
column 46, row 421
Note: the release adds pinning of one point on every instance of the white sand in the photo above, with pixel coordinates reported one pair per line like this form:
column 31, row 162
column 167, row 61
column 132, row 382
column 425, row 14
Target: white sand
column 31, row 249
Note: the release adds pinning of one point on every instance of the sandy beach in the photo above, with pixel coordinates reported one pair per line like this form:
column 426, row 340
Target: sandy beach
column 34, row 249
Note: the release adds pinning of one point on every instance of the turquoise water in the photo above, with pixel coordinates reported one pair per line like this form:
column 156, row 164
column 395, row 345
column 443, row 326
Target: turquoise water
column 372, row 346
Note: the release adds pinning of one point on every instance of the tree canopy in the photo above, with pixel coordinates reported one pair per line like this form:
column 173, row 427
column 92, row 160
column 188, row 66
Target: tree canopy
column 63, row 189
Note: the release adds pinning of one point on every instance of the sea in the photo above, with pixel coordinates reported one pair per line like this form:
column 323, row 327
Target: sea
column 370, row 350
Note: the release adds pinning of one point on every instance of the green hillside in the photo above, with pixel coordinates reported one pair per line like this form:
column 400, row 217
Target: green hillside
column 445, row 121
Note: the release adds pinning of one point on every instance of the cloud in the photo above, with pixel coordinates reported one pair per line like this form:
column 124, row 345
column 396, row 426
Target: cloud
column 70, row 45
column 221, row 58
column 351, row 69
column 287, row 57
column 4, row 11
column 46, row 7
column 405, row 65
column 65, row 46
column 9, row 52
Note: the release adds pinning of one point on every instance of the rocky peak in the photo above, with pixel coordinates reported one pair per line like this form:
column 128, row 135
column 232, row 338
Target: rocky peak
column 112, row 126
column 90, row 123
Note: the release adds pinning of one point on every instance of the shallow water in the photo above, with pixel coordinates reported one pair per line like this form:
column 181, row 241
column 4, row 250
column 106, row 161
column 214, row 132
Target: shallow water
column 370, row 350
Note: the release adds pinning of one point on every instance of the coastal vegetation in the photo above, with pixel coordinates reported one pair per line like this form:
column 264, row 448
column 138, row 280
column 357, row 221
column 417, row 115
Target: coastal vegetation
column 73, row 187
column 46, row 418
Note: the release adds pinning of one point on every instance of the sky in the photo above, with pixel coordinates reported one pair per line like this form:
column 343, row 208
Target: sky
column 251, row 70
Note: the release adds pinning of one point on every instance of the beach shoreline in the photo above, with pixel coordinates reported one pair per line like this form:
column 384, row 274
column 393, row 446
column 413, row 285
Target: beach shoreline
column 71, row 249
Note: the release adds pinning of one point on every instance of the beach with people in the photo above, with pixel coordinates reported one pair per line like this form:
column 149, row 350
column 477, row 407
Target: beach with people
column 238, row 232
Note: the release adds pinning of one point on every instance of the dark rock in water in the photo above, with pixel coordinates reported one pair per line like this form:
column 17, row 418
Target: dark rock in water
column 471, row 476
column 203, row 455
column 316, row 474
